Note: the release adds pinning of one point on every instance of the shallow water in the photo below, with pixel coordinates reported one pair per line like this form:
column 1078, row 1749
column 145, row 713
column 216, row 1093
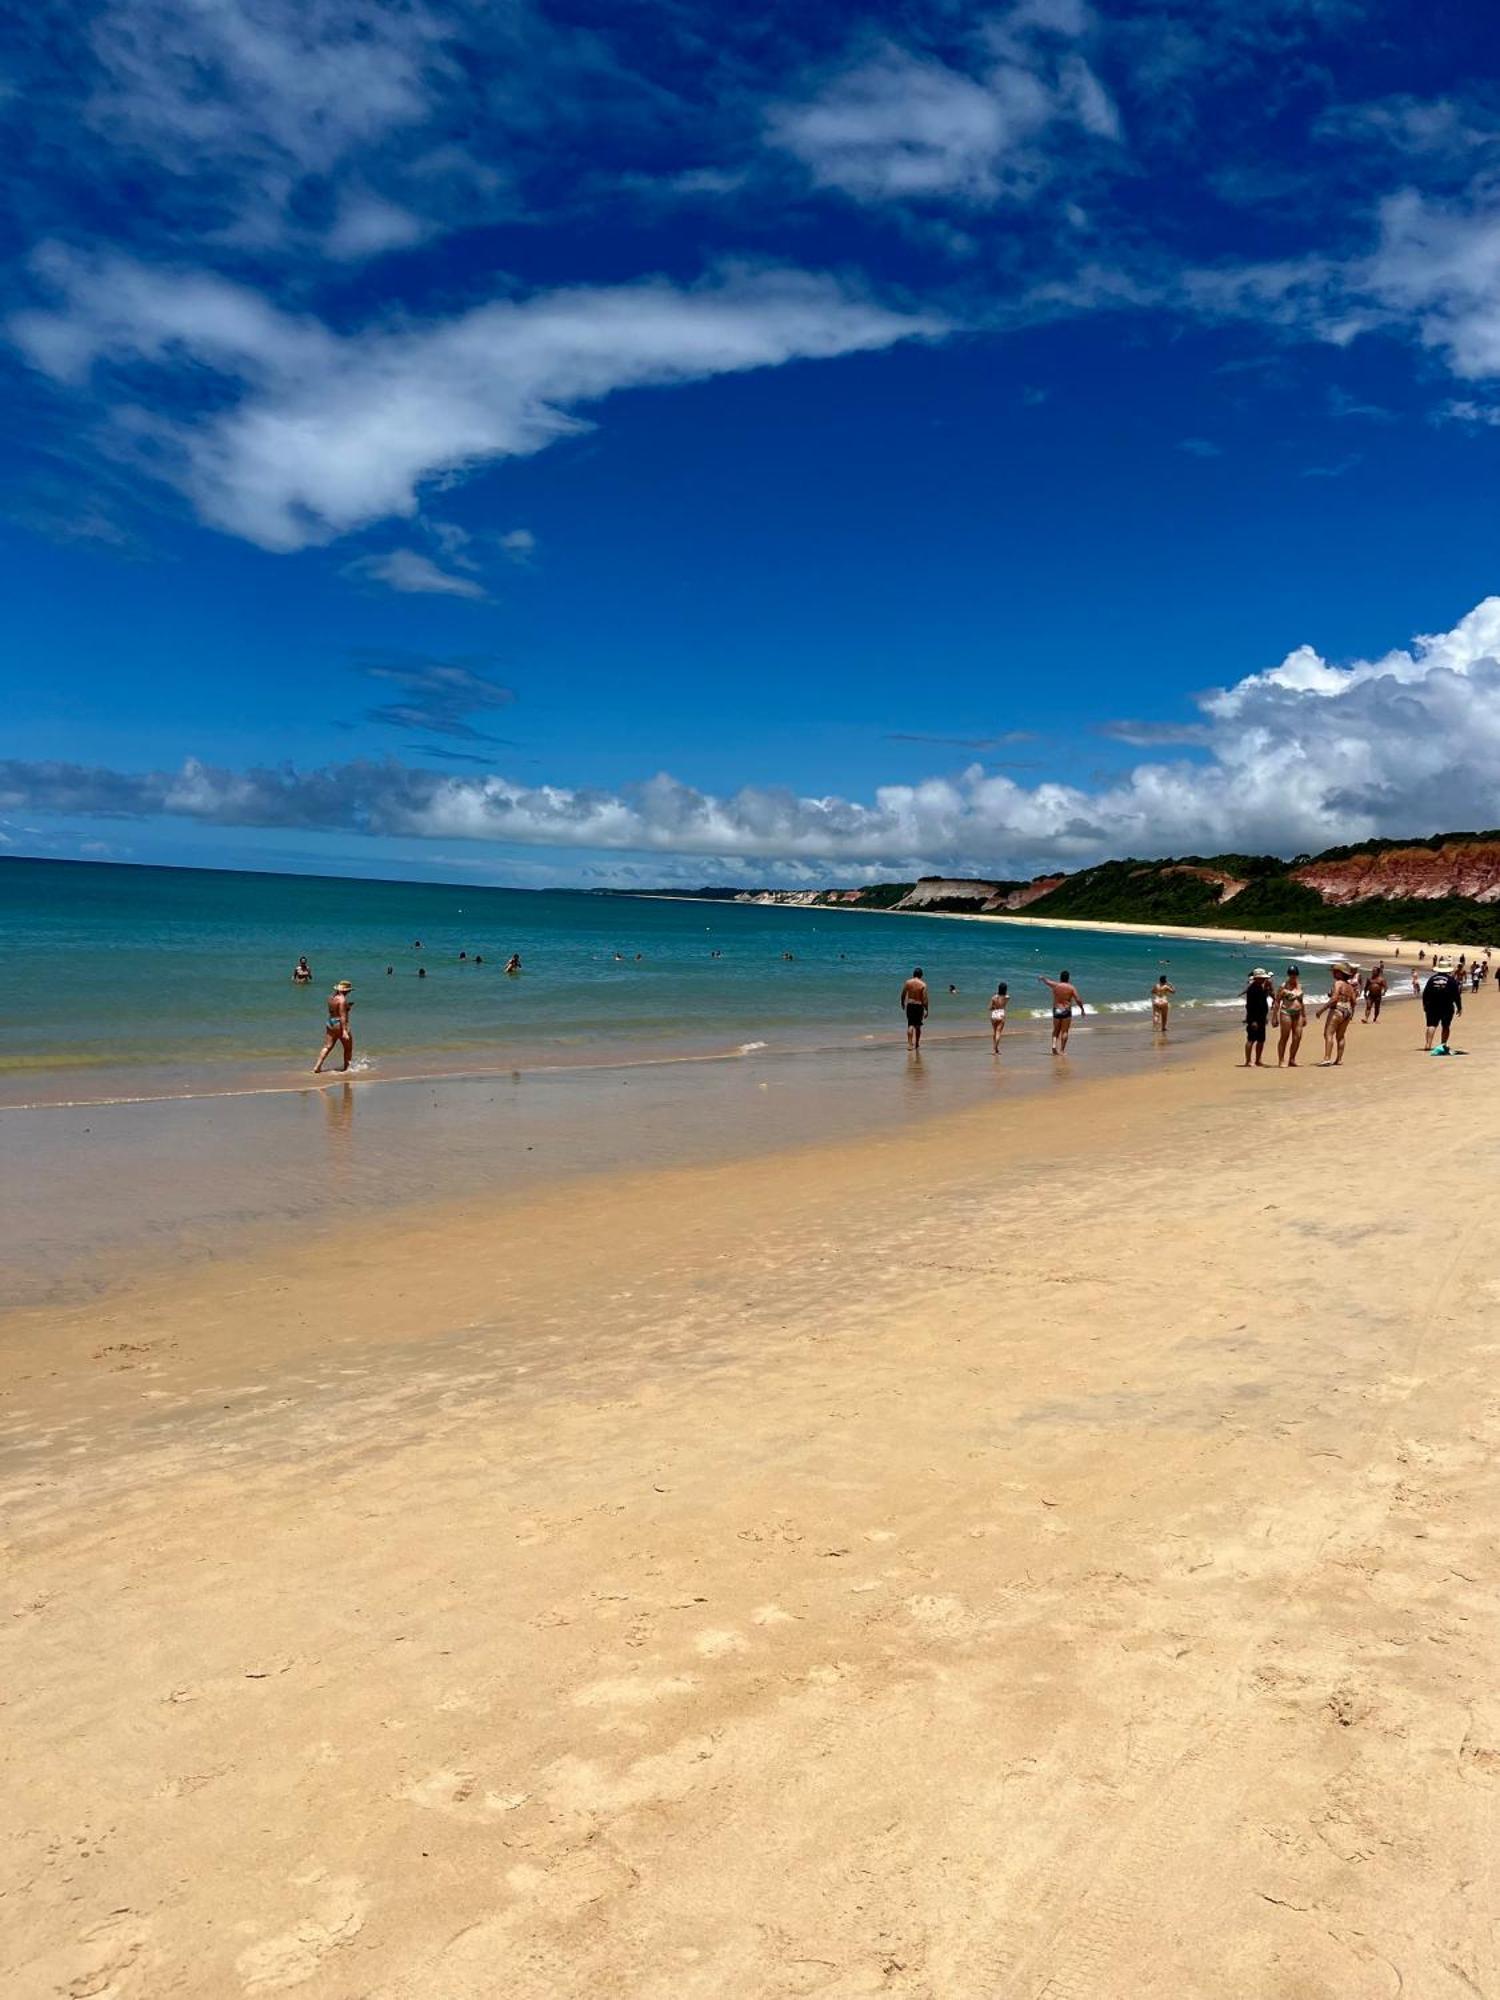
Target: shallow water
column 169, row 981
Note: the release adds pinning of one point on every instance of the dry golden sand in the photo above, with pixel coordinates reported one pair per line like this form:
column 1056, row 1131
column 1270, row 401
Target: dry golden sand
column 1051, row 1555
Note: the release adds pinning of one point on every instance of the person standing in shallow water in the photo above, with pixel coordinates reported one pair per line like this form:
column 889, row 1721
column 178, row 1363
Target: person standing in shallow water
column 1065, row 997
column 1161, row 1003
column 999, row 1001
column 915, row 1005
column 338, row 1033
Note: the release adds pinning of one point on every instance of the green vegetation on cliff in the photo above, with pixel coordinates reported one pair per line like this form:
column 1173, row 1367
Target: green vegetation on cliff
column 1174, row 892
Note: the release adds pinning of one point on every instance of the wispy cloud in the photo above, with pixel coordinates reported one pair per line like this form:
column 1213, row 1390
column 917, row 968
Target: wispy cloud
column 315, row 433
column 436, row 696
column 1004, row 741
column 1197, row 447
column 447, row 756
column 407, row 570
column 1304, row 754
column 894, row 125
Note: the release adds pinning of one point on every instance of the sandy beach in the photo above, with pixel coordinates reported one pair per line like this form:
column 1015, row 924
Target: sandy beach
column 1397, row 951
column 1046, row 1553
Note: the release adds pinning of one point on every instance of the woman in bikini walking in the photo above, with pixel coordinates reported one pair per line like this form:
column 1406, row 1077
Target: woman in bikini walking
column 1336, row 1012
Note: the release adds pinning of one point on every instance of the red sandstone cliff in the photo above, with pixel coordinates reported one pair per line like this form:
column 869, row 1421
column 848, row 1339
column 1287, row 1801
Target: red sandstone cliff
column 1458, row 868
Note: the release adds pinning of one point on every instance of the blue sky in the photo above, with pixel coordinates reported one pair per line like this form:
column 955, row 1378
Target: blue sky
column 682, row 444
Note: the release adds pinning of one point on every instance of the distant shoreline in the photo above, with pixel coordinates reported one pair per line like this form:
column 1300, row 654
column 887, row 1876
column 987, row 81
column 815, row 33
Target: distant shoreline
column 1401, row 950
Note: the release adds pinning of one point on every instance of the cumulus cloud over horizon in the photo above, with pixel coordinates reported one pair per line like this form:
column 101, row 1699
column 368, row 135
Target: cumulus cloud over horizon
column 1304, row 755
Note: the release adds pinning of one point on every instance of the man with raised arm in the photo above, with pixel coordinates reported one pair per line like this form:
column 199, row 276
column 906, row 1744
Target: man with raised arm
column 1065, row 997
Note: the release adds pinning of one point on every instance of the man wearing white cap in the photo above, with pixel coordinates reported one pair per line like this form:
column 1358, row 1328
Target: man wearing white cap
column 1258, row 996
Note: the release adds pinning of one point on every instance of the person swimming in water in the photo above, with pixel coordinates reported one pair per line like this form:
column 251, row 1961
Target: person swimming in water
column 338, row 1033
column 302, row 973
column 513, row 963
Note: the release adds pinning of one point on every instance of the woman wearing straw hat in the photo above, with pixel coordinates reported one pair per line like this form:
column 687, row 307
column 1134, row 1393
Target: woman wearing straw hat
column 338, row 1032
column 1336, row 1012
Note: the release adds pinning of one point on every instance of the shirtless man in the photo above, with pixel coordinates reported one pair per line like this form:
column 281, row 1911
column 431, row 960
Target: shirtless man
column 1065, row 997
column 1375, row 987
column 338, row 1033
column 915, row 1004
column 1161, row 1003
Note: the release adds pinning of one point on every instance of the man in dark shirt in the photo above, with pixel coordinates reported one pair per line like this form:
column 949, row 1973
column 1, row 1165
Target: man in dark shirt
column 1258, row 996
column 1442, row 998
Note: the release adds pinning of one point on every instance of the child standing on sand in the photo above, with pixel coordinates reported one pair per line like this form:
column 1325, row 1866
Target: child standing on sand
column 998, row 1001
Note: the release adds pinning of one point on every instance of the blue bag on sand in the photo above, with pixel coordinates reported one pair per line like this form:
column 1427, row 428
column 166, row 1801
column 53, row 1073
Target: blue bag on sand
column 1440, row 1050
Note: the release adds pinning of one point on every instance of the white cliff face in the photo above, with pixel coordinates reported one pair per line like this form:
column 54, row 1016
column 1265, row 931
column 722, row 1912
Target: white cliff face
column 945, row 889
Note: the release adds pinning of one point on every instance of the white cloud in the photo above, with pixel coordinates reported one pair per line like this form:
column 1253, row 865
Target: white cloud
column 368, row 226
column 1300, row 756
column 519, row 544
column 1437, row 267
column 325, row 432
column 896, row 126
column 290, row 87
column 1433, row 276
column 406, row 570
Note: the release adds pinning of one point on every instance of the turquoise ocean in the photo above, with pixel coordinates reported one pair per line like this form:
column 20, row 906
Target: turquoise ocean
column 186, row 972
column 156, row 1102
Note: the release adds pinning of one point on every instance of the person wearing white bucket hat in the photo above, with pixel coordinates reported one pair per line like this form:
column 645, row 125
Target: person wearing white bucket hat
column 1258, row 997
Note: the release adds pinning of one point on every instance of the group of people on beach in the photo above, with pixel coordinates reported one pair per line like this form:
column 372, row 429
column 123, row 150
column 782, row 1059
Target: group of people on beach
column 916, row 1004
column 1268, row 1007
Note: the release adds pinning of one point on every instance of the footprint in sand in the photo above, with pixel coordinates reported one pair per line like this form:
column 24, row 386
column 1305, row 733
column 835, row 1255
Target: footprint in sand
column 948, row 1616
column 716, row 1645
column 458, row 1793
column 634, row 1691
column 299, row 1954
column 108, row 1961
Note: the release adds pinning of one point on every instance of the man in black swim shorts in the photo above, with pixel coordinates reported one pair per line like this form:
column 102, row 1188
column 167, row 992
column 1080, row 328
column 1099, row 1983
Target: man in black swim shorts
column 914, row 1002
